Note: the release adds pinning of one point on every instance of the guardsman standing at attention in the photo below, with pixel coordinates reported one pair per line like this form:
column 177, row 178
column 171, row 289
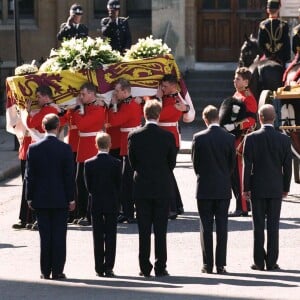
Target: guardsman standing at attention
column 116, row 28
column 89, row 122
column 128, row 118
column 273, row 35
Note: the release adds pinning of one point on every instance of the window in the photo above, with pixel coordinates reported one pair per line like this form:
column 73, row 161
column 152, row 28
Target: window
column 26, row 10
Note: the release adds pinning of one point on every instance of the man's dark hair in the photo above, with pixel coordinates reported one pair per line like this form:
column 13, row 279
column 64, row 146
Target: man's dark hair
column 152, row 109
column 50, row 122
column 170, row 78
column 124, row 84
column 244, row 73
column 44, row 90
column 89, row 86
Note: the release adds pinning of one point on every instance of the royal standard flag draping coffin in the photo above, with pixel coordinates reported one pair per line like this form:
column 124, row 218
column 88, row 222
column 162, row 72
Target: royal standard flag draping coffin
column 144, row 76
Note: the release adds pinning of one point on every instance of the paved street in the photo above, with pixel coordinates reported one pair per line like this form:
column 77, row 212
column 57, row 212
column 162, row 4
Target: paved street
column 19, row 256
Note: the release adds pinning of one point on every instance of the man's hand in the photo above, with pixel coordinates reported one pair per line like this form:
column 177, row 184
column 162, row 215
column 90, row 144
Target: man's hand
column 284, row 194
column 229, row 127
column 72, row 205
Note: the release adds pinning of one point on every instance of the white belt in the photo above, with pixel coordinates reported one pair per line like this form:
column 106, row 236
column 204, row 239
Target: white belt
column 86, row 134
column 129, row 129
column 166, row 124
column 71, row 127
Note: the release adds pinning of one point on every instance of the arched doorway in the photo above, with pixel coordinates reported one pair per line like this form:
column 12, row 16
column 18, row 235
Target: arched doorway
column 222, row 25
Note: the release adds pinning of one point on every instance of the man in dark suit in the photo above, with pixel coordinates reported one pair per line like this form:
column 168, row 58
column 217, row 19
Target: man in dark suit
column 152, row 155
column 213, row 156
column 102, row 174
column 267, row 176
column 50, row 184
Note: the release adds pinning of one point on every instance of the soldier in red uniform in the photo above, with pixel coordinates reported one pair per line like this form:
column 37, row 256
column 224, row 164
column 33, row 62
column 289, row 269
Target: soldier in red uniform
column 25, row 215
column 89, row 119
column 241, row 81
column 47, row 106
column 127, row 118
column 173, row 108
column 34, row 124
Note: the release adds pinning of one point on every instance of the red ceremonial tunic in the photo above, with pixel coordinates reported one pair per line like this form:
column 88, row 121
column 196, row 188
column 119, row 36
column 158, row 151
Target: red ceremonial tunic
column 36, row 120
column 73, row 132
column 251, row 106
column 127, row 118
column 88, row 124
column 170, row 116
column 24, row 145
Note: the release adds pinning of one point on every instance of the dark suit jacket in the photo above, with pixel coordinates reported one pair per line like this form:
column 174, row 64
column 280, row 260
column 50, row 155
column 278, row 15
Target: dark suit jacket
column 213, row 156
column 267, row 163
column 49, row 175
column 102, row 175
column 152, row 155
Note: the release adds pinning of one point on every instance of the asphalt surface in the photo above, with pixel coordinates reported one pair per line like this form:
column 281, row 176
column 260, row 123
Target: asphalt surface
column 19, row 251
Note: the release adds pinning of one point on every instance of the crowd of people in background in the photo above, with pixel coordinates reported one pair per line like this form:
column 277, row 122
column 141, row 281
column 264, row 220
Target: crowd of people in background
column 118, row 160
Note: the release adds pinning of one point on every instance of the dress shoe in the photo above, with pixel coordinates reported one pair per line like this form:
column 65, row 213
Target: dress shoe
column 121, row 219
column 42, row 276
column 206, row 270
column 83, row 222
column 161, row 273
column 109, row 273
column 34, row 226
column 146, row 275
column 29, row 226
column 100, row 274
column 221, row 270
column 273, row 268
column 256, row 267
column 172, row 215
column 132, row 221
column 180, row 211
column 75, row 221
column 19, row 225
column 238, row 213
column 59, row 276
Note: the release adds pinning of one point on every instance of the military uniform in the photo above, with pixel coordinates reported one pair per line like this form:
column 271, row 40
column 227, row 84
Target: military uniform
column 296, row 40
column 88, row 124
column 74, row 30
column 118, row 32
column 274, row 40
column 245, row 126
column 127, row 118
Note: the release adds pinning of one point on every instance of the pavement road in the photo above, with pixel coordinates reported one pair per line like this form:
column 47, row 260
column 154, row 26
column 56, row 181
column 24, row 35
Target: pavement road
column 19, row 255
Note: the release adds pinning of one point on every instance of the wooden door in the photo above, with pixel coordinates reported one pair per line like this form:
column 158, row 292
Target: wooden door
column 222, row 25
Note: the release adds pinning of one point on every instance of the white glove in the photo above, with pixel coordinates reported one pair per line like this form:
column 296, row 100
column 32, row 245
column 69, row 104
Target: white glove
column 229, row 127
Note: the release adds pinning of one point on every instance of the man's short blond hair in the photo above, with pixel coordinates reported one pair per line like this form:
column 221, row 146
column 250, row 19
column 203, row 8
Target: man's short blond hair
column 103, row 140
column 210, row 113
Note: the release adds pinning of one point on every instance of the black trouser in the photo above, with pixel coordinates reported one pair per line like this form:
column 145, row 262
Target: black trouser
column 127, row 201
column 105, row 238
column 266, row 208
column 26, row 215
column 82, row 205
column 52, row 224
column 210, row 210
column 152, row 211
